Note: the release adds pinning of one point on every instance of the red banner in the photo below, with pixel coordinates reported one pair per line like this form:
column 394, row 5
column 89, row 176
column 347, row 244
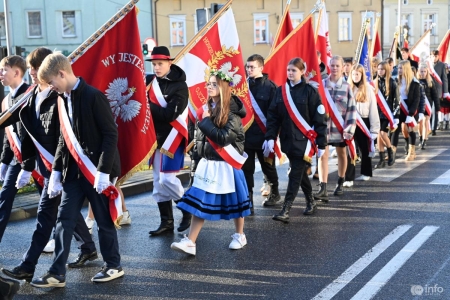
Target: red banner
column 377, row 45
column 323, row 39
column 443, row 48
column 114, row 65
column 284, row 30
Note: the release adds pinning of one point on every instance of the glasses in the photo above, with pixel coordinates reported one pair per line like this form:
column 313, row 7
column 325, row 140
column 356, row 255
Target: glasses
column 211, row 84
column 251, row 67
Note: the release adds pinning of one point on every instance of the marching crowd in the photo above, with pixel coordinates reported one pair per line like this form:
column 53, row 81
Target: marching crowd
column 63, row 113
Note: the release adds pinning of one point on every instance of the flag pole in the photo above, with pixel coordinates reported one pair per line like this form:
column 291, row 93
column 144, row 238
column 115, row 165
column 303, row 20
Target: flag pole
column 317, row 6
column 286, row 11
column 99, row 33
column 361, row 40
column 375, row 32
column 319, row 19
column 394, row 47
column 202, row 31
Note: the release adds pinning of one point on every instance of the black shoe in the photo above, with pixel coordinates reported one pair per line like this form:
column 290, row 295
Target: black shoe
column 424, row 143
column 283, row 215
column 49, row 280
column 82, row 259
column 8, row 288
column 166, row 212
column 185, row 221
column 272, row 199
column 322, row 194
column 18, row 273
column 433, row 132
column 310, row 205
column 382, row 162
column 108, row 274
column 391, row 156
column 339, row 190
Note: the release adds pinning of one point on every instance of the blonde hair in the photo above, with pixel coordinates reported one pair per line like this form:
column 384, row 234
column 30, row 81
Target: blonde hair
column 427, row 77
column 408, row 74
column 387, row 77
column 52, row 64
column 361, row 93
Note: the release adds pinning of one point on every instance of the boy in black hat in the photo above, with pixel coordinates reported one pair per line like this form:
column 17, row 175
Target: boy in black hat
column 170, row 85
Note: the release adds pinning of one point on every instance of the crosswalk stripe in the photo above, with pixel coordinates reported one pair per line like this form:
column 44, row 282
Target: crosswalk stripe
column 385, row 274
column 443, row 179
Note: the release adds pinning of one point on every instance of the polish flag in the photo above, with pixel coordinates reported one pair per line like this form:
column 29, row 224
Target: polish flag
column 377, row 46
column 284, row 29
column 444, row 54
column 323, row 39
column 421, row 50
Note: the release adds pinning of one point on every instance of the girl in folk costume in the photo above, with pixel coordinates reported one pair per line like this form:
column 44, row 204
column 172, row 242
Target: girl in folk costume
column 433, row 99
column 409, row 88
column 368, row 123
column 219, row 190
column 294, row 111
column 388, row 87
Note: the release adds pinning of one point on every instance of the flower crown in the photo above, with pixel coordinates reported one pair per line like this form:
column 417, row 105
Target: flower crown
column 222, row 75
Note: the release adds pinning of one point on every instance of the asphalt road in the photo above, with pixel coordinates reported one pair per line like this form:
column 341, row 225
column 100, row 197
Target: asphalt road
column 386, row 238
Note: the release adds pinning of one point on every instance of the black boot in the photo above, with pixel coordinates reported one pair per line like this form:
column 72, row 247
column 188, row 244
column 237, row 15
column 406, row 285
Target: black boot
column 424, row 143
column 420, row 139
column 185, row 221
column 273, row 198
column 322, row 194
column 433, row 132
column 339, row 190
column 382, row 162
column 166, row 212
column 446, row 125
column 310, row 205
column 252, row 208
column 283, row 215
column 391, row 156
column 406, row 146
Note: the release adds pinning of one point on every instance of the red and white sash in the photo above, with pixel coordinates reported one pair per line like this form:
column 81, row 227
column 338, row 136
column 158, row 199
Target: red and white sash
column 261, row 120
column 404, row 108
column 300, row 123
column 227, row 153
column 382, row 104
column 86, row 166
column 338, row 121
column 179, row 130
column 436, row 77
column 16, row 145
column 366, row 131
column 429, row 112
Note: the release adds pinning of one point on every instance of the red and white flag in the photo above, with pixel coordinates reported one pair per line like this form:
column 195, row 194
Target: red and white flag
column 444, row 54
column 421, row 50
column 377, row 51
column 217, row 48
column 285, row 27
column 323, row 38
column 114, row 65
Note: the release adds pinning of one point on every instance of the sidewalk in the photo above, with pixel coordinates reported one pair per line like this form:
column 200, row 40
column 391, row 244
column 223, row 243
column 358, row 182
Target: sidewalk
column 25, row 205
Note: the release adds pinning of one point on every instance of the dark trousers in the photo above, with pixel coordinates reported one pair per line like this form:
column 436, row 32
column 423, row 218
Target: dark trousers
column 269, row 170
column 366, row 161
column 297, row 178
column 45, row 221
column 74, row 193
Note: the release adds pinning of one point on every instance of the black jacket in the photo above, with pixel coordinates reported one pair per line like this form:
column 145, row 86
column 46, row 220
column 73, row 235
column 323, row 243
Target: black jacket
column 94, row 127
column 392, row 98
column 263, row 90
column 413, row 100
column 431, row 93
column 308, row 103
column 28, row 164
column 232, row 133
column 176, row 93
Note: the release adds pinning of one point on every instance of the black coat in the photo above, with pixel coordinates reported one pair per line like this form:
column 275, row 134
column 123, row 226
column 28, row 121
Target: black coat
column 308, row 103
column 413, row 100
column 232, row 133
column 28, row 164
column 431, row 93
column 263, row 90
column 392, row 98
column 94, row 127
column 176, row 93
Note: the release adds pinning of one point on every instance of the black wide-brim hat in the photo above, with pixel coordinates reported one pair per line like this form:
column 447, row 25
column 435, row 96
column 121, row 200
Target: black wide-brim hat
column 161, row 53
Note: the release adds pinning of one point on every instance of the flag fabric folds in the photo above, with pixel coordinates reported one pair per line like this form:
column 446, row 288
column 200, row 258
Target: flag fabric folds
column 421, row 50
column 364, row 59
column 444, row 54
column 323, row 40
column 114, row 65
column 284, row 29
column 377, row 51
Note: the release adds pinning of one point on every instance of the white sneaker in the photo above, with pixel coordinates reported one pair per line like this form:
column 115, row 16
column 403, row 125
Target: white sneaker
column 126, row 219
column 363, row 177
column 238, row 242
column 266, row 190
column 185, row 245
column 50, row 247
column 89, row 223
column 348, row 183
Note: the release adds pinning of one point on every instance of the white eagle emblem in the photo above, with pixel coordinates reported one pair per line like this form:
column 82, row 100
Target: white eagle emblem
column 120, row 103
column 309, row 76
column 226, row 69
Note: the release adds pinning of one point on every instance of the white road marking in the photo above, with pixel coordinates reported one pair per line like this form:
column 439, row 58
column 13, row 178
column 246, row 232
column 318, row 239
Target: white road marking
column 443, row 179
column 339, row 283
column 382, row 277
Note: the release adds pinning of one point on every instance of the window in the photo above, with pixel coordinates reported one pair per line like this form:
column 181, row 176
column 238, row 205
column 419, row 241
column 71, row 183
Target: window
column 2, row 26
column 261, row 28
column 427, row 21
column 345, row 26
column 296, row 19
column 34, row 24
column 370, row 27
column 68, row 24
column 177, row 30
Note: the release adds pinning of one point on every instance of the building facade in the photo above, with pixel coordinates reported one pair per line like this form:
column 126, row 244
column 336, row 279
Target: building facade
column 257, row 22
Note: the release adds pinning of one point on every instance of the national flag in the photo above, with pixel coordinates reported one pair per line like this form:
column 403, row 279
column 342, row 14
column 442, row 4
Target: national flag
column 285, row 27
column 377, row 51
column 111, row 60
column 294, row 46
column 217, row 48
column 323, row 38
column 421, row 50
column 444, row 54
column 364, row 58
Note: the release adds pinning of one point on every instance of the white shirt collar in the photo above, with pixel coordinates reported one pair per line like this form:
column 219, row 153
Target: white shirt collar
column 294, row 84
column 74, row 88
column 14, row 91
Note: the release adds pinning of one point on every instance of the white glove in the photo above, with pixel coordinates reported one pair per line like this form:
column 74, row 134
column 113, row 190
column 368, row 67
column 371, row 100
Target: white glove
column 320, row 152
column 446, row 96
column 268, row 147
column 347, row 136
column 373, row 136
column 421, row 116
column 408, row 120
column 3, row 170
column 54, row 184
column 101, row 182
column 23, row 179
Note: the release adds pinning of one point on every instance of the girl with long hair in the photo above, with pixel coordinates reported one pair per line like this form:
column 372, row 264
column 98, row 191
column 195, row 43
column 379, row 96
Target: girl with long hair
column 219, row 190
column 366, row 106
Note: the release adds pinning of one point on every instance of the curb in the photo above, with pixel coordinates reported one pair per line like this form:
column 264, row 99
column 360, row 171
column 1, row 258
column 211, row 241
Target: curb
column 30, row 211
